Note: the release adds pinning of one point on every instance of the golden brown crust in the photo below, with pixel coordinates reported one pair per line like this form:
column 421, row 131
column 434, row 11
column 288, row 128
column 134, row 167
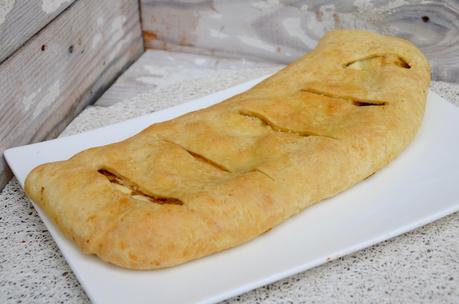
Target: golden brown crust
column 216, row 178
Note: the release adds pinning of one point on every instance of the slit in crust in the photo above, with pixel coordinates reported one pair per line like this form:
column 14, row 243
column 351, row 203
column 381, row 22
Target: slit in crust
column 264, row 173
column 384, row 59
column 129, row 188
column 355, row 101
column 202, row 158
column 266, row 122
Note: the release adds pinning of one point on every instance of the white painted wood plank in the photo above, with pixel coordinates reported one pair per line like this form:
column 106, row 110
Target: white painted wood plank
column 281, row 31
column 157, row 68
column 21, row 19
column 63, row 68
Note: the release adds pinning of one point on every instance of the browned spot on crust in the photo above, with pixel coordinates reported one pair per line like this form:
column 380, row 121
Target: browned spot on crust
column 42, row 190
column 132, row 256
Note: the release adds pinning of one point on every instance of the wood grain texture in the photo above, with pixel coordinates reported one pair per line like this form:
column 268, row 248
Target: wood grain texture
column 157, row 68
column 63, row 68
column 134, row 81
column 21, row 19
column 281, row 31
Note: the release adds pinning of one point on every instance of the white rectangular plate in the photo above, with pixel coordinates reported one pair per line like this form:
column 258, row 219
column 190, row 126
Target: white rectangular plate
column 420, row 186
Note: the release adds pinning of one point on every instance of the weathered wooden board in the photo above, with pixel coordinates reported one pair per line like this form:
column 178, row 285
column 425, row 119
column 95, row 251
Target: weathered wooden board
column 21, row 19
column 64, row 67
column 137, row 79
column 157, row 68
column 280, row 31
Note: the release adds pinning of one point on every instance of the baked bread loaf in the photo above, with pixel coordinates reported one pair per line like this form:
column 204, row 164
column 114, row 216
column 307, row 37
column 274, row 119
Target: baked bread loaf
column 218, row 177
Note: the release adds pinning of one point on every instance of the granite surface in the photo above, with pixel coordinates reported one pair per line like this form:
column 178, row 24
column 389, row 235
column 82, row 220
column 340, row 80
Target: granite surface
column 421, row 266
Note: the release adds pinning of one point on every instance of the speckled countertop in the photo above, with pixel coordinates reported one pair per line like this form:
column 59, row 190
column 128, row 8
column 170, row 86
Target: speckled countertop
column 418, row 267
